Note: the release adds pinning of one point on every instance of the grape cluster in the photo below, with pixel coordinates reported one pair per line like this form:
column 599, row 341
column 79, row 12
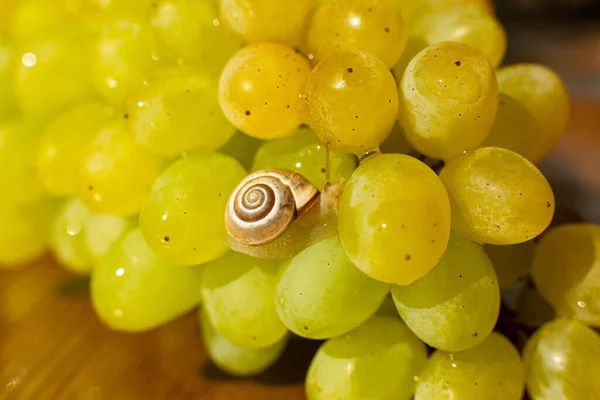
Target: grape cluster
column 401, row 156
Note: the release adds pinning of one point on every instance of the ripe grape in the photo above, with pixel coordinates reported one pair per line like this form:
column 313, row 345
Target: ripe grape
column 305, row 154
column 61, row 145
column 455, row 306
column 115, row 173
column 394, row 218
column 566, row 271
column 236, row 360
column 322, row 294
column 177, row 110
column 491, row 370
column 34, row 19
column 243, row 148
column 351, row 101
column 378, row 360
column 183, row 218
column 238, row 295
column 261, row 90
column 7, row 61
column 448, row 100
column 411, row 9
column 512, row 263
column 497, row 196
column 132, row 290
column 372, row 26
column 533, row 111
column 266, row 20
column 561, row 361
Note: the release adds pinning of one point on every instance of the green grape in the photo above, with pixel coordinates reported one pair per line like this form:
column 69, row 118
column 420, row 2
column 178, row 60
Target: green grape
column 194, row 32
column 512, row 263
column 497, row 196
column 372, row 26
column 448, row 100
column 132, row 290
column 491, row 370
column 322, row 294
column 52, row 73
column 561, row 362
column 34, row 19
column 236, row 360
column 183, row 219
column 351, row 101
column 460, row 294
column 531, row 308
column 61, row 145
column 261, row 90
column 101, row 231
column 533, row 111
column 378, row 360
column 243, row 148
column 7, row 61
column 124, row 54
column 304, row 154
column 266, row 20
column 394, row 218
column 468, row 24
column 24, row 233
column 177, row 110
column 115, row 173
column 238, row 295
column 396, row 142
column 566, row 271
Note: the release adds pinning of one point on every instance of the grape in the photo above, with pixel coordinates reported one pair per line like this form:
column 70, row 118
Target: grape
column 34, row 19
column 304, row 154
column 396, row 142
column 448, row 100
column 455, row 306
column 7, row 61
column 491, row 370
column 394, row 218
column 238, row 295
column 125, row 53
column 377, row 360
column 101, row 231
column 512, row 263
column 322, row 294
column 566, row 271
column 177, row 110
column 412, row 9
column 236, row 360
column 194, row 32
column 531, row 308
column 266, row 20
column 243, row 148
column 261, row 90
column 497, row 196
column 351, row 101
column 533, row 112
column 372, row 26
column 60, row 147
column 561, row 360
column 134, row 291
column 183, row 218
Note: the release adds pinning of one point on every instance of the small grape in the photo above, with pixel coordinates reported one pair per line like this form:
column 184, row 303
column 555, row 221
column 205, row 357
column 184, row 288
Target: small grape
column 261, row 90
column 448, row 100
column 512, row 263
column 183, row 218
column 351, row 101
column 394, row 218
column 497, row 196
column 378, row 360
column 322, row 294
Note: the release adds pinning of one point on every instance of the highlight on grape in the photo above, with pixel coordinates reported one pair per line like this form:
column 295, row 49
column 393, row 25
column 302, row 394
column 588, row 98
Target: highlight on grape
column 361, row 172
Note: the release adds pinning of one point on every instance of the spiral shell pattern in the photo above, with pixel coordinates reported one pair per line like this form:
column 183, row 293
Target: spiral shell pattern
column 265, row 203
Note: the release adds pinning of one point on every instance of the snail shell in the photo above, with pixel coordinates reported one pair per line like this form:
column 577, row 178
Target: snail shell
column 264, row 205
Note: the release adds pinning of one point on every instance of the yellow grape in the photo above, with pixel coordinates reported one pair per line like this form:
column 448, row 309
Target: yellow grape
column 266, row 20
column 533, row 112
column 243, row 148
column 566, row 271
column 115, row 173
column 33, row 19
column 351, row 101
column 61, row 145
column 512, row 263
column 394, row 218
column 497, row 196
column 412, row 9
column 261, row 90
column 7, row 62
column 372, row 26
column 448, row 100
column 177, row 110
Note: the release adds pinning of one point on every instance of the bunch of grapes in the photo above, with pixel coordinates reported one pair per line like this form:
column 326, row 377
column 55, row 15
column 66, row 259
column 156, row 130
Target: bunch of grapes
column 354, row 171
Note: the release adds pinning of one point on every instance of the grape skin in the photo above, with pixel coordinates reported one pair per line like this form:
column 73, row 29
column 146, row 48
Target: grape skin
column 512, row 263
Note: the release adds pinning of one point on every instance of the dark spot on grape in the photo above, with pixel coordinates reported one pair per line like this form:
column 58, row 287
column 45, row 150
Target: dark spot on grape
column 154, row 5
column 287, row 55
column 460, row 115
column 166, row 239
column 90, row 187
column 407, row 257
column 497, row 226
column 460, row 276
column 435, row 55
column 298, row 70
column 219, row 194
column 402, row 226
column 194, row 249
column 306, row 328
column 177, row 198
column 259, row 70
column 323, row 170
column 370, row 9
column 475, row 383
column 265, row 103
column 277, row 86
column 253, row 337
column 356, row 116
column 288, row 106
column 520, row 194
column 353, row 129
column 247, row 112
column 548, row 205
column 280, row 76
column 350, row 70
column 435, row 225
column 328, row 264
column 337, row 34
column 390, row 100
column 300, row 293
column 432, row 241
column 185, row 213
column 463, row 307
column 188, row 90
column 457, row 63
column 413, row 89
column 126, row 116
column 386, row 29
